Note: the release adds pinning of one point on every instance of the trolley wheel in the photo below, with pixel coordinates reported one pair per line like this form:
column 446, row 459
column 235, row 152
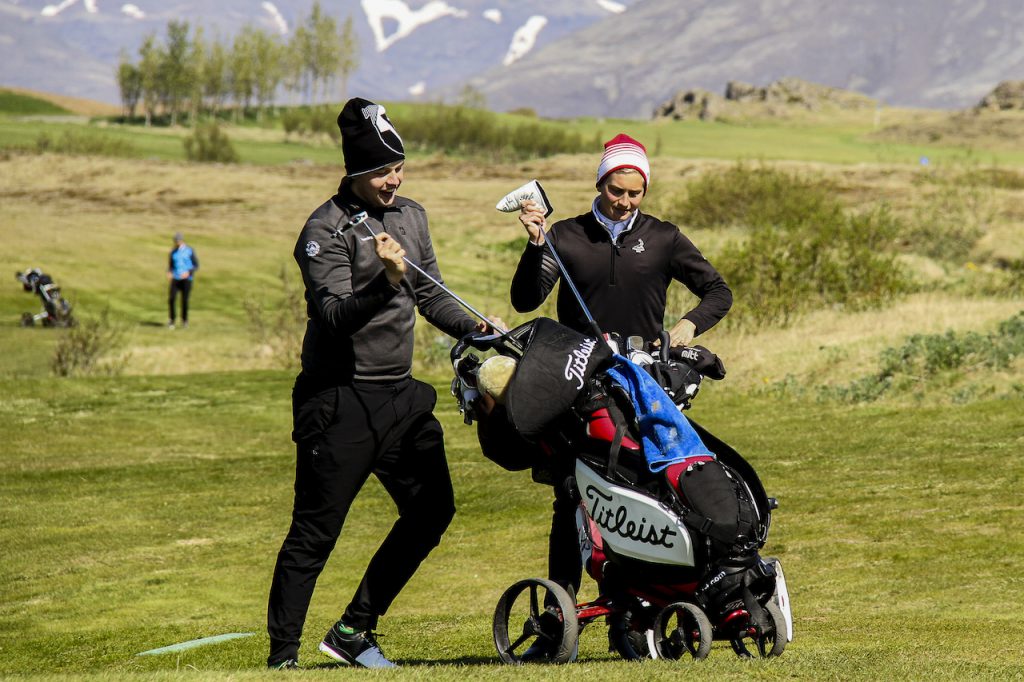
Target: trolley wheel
column 535, row 611
column 770, row 643
column 27, row 320
column 631, row 634
column 682, row 628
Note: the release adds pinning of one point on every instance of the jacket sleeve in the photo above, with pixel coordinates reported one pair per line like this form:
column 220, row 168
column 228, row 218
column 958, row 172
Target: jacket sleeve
column 170, row 262
column 534, row 278
column 327, row 274
column 195, row 260
column 440, row 309
column 690, row 267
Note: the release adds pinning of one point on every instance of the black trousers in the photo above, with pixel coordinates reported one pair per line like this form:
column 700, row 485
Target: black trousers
column 344, row 434
column 565, row 566
column 185, row 287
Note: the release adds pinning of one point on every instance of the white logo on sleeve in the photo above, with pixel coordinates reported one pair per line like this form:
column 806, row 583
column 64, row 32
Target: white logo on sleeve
column 312, row 249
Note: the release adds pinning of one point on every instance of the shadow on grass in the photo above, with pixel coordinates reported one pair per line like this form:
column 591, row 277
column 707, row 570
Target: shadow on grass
column 416, row 662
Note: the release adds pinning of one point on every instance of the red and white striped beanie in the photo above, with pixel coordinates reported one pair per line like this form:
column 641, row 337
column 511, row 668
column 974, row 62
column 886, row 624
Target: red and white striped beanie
column 622, row 151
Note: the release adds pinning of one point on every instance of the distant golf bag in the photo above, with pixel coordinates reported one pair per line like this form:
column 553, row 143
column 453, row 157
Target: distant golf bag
column 670, row 519
column 56, row 310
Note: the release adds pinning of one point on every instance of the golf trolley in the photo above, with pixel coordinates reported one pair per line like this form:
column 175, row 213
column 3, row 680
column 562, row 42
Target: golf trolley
column 56, row 309
column 674, row 552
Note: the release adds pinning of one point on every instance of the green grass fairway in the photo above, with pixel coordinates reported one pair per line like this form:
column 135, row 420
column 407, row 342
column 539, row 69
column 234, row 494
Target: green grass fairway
column 146, row 509
column 141, row 512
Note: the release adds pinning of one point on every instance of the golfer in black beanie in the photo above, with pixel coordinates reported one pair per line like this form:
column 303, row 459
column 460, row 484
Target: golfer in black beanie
column 357, row 409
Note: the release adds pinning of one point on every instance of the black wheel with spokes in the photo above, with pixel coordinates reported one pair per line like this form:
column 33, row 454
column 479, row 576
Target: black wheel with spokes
column 767, row 644
column 630, row 632
column 682, row 629
column 535, row 615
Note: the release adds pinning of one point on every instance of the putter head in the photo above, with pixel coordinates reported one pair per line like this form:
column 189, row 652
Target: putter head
column 355, row 220
column 531, row 191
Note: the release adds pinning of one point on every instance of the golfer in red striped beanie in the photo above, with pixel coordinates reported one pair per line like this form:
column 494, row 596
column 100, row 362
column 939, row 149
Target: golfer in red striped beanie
column 622, row 262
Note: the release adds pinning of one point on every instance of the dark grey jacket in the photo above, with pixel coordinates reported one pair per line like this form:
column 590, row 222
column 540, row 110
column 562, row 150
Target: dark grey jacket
column 360, row 326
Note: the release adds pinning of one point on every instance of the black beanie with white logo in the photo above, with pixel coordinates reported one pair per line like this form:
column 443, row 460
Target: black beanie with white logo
column 368, row 140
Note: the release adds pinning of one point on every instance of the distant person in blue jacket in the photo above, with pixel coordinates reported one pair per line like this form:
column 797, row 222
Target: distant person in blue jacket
column 181, row 270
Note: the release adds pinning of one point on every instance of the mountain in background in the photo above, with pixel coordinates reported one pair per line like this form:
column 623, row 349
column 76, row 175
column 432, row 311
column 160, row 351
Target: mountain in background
column 563, row 57
column 409, row 49
column 919, row 53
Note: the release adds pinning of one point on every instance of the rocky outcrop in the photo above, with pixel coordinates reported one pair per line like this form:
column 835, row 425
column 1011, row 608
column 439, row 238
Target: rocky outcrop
column 784, row 93
column 1008, row 95
column 691, row 104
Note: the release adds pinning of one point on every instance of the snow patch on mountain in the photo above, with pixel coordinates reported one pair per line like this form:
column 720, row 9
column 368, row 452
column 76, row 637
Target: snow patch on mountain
column 90, row 6
column 493, row 15
column 408, row 20
column 133, row 11
column 54, row 10
column 276, row 17
column 613, row 7
column 524, row 38
column 417, row 89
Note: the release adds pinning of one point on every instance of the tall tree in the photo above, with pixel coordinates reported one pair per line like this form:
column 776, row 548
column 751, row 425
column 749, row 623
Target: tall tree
column 150, row 72
column 177, row 76
column 215, row 75
column 242, row 67
column 348, row 57
column 196, row 67
column 325, row 53
column 268, row 53
column 129, row 80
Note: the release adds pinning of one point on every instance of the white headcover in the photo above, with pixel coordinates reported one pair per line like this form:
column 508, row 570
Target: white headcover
column 531, row 191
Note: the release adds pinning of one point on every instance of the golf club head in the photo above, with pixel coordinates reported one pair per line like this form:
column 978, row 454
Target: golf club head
column 531, row 191
column 357, row 219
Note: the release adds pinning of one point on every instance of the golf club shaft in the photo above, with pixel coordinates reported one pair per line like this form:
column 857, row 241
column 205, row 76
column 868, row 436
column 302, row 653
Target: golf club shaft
column 568, row 280
column 445, row 289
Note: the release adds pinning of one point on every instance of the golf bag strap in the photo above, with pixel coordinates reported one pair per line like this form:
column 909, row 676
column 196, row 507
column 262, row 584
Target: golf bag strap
column 705, row 526
column 613, row 453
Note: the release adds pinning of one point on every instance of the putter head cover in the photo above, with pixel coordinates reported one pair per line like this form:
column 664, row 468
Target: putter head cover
column 494, row 376
column 531, row 191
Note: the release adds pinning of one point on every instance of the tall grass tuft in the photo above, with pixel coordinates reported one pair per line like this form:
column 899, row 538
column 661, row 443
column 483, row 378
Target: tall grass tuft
column 955, row 214
column 92, row 347
column 475, row 132
column 86, row 143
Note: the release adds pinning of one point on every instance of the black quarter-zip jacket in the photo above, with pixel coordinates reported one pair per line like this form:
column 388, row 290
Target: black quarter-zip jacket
column 624, row 284
column 360, row 326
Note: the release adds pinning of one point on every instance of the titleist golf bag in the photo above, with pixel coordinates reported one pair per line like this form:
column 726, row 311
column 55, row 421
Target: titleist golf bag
column 670, row 519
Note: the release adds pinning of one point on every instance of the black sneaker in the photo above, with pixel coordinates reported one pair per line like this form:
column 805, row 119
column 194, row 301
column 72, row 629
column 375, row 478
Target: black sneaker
column 286, row 664
column 354, row 647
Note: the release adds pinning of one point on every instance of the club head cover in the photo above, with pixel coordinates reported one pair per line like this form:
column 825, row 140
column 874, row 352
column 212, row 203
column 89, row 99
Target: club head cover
column 494, row 376
column 531, row 191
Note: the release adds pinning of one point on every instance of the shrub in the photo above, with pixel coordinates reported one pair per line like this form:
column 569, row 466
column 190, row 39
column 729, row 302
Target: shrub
column 91, row 347
column 761, row 196
column 923, row 357
column 278, row 326
column 838, row 259
column 208, row 144
column 953, row 217
column 96, row 144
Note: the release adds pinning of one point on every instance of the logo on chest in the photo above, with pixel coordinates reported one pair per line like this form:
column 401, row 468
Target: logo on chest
column 639, row 246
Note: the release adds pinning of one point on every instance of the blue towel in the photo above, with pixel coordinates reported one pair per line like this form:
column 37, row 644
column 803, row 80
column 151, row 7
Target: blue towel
column 666, row 434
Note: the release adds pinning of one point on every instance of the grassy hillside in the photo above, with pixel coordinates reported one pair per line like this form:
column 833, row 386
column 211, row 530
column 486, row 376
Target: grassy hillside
column 145, row 509
column 61, row 104
column 21, row 104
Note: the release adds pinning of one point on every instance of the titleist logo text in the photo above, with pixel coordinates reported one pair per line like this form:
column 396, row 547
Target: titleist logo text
column 616, row 520
column 576, row 365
